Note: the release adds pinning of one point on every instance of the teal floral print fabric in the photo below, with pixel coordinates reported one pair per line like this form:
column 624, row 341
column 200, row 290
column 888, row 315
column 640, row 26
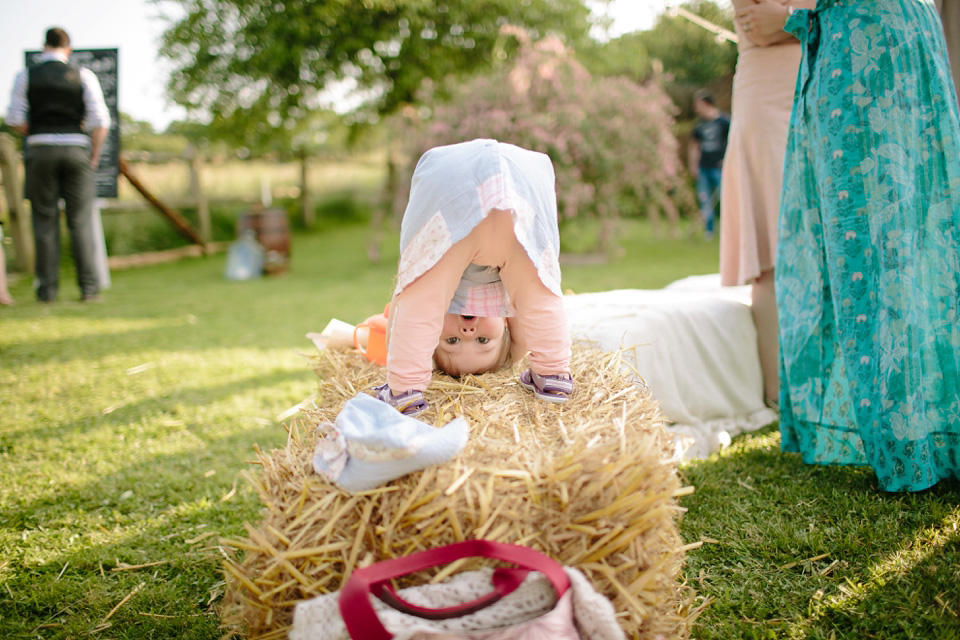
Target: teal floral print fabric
column 868, row 263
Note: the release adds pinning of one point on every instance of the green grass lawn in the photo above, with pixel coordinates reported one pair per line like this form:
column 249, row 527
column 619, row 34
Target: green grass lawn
column 126, row 427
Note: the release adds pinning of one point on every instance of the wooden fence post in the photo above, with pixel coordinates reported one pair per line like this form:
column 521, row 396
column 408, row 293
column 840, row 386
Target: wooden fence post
column 196, row 192
column 20, row 228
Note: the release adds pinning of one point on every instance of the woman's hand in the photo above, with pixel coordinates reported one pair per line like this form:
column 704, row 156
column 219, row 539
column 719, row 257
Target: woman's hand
column 763, row 21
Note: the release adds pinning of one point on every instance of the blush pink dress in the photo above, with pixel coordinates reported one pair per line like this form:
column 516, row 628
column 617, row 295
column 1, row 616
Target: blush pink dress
column 763, row 88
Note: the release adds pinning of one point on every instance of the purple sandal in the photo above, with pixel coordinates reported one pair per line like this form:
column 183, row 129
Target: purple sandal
column 409, row 403
column 556, row 388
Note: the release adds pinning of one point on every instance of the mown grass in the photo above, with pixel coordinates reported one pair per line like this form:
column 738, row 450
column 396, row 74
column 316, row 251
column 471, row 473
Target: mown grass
column 125, row 428
column 798, row 551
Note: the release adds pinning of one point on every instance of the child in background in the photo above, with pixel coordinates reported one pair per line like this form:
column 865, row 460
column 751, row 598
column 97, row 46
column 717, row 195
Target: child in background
column 478, row 283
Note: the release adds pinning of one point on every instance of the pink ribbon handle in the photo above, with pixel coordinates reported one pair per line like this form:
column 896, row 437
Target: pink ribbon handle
column 360, row 617
column 504, row 581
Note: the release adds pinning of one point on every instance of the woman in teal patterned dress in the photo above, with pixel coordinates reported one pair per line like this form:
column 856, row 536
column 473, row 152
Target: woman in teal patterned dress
column 868, row 266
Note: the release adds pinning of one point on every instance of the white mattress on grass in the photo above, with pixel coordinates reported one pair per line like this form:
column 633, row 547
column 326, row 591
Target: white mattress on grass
column 694, row 345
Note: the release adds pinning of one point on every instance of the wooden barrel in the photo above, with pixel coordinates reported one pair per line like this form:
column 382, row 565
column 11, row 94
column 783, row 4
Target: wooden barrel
column 272, row 230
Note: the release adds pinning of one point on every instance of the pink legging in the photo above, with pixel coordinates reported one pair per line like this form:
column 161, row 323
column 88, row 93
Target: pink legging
column 416, row 313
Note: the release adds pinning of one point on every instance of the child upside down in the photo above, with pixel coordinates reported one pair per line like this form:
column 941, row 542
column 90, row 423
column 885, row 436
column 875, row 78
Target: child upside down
column 478, row 285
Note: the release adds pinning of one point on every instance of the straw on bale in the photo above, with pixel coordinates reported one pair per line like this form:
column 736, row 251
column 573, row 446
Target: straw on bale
column 591, row 483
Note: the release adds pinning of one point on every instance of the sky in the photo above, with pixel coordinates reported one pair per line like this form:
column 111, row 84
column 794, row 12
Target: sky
column 135, row 26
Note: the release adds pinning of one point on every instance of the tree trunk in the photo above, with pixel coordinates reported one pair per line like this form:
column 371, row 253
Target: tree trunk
column 653, row 215
column 385, row 210
column 610, row 247
column 306, row 196
column 673, row 215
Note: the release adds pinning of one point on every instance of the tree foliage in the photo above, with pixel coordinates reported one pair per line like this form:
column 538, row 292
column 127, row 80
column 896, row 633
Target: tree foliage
column 609, row 138
column 257, row 68
column 692, row 57
column 625, row 56
column 684, row 55
column 689, row 52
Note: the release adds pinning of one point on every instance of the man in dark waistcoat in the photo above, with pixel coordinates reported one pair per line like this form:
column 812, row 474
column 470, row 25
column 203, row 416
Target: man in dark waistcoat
column 60, row 110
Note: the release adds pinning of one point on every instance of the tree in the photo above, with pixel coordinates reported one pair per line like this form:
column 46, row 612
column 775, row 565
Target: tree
column 131, row 127
column 690, row 53
column 623, row 56
column 692, row 57
column 609, row 138
column 259, row 67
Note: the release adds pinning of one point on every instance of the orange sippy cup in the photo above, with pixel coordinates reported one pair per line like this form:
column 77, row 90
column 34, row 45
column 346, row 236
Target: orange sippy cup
column 374, row 348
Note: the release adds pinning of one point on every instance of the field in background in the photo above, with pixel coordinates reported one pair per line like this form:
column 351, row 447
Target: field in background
column 341, row 188
column 233, row 179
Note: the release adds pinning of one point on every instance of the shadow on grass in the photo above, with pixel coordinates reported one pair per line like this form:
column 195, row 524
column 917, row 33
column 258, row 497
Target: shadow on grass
column 166, row 512
column 783, row 538
column 166, row 406
column 156, row 482
column 60, row 544
column 917, row 597
column 193, row 329
column 115, row 589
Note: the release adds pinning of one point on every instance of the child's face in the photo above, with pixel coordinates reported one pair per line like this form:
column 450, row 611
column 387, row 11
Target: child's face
column 469, row 344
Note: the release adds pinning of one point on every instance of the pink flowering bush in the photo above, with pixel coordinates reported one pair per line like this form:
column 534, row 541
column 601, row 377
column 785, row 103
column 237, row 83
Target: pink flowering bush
column 609, row 138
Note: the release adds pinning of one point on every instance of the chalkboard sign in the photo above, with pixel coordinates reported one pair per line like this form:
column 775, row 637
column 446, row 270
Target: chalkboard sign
column 102, row 62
